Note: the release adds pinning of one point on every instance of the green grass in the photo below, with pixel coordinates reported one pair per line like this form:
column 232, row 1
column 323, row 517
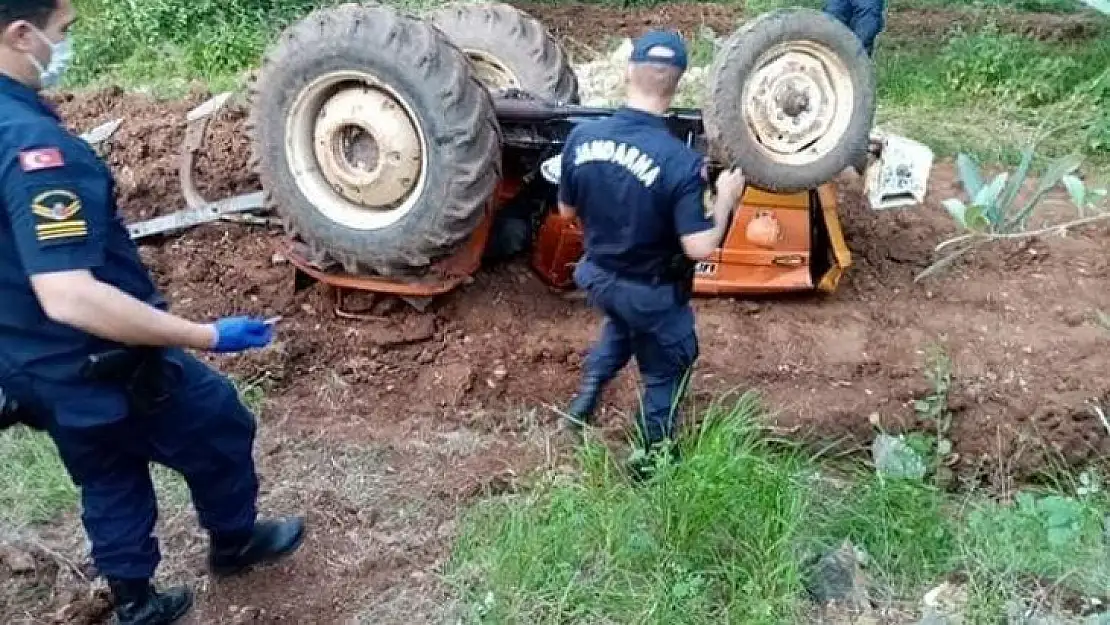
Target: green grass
column 164, row 45
column 989, row 92
column 724, row 536
column 716, row 538
column 34, row 486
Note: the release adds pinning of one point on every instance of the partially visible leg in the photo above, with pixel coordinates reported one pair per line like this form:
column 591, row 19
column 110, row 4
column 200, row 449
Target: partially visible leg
column 666, row 359
column 608, row 356
column 119, row 510
column 868, row 19
column 841, row 10
column 204, row 432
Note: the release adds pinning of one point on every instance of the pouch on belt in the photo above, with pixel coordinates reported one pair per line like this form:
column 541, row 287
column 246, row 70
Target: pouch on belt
column 145, row 374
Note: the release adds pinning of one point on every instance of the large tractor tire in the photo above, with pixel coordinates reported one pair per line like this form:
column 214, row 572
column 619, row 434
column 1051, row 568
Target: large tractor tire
column 792, row 100
column 509, row 49
column 373, row 140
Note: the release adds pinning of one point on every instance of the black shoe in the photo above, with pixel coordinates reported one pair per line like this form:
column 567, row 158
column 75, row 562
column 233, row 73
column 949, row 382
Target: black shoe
column 580, row 413
column 642, row 465
column 137, row 603
column 269, row 542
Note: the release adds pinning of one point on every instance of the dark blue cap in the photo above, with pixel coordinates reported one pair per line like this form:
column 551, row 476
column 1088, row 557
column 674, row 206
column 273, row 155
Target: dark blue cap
column 660, row 46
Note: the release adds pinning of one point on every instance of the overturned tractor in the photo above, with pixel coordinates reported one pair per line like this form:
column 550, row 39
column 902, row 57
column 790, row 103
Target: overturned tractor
column 400, row 151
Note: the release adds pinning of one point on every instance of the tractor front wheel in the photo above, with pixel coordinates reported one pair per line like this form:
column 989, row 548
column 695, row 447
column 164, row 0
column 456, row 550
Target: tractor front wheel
column 792, row 99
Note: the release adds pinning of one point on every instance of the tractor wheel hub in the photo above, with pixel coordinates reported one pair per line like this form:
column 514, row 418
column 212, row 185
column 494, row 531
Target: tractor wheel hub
column 796, row 101
column 367, row 147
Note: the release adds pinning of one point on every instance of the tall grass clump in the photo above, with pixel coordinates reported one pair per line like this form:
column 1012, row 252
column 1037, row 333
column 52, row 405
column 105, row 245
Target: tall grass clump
column 149, row 41
column 714, row 538
column 901, row 524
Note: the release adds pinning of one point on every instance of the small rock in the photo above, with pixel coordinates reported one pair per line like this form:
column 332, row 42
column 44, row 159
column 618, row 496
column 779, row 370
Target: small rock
column 933, row 618
column 426, row 357
column 359, row 303
column 946, row 478
column 1073, row 318
column 278, row 259
column 838, row 576
column 750, row 308
column 945, row 604
column 500, row 372
column 446, row 529
column 17, row 560
column 247, row 614
column 894, row 458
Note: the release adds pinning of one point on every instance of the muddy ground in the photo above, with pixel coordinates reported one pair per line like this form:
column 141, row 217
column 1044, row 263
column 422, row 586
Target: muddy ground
column 380, row 429
column 585, row 28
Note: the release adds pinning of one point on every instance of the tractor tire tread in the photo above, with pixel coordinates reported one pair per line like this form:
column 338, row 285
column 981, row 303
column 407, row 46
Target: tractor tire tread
column 517, row 39
column 461, row 130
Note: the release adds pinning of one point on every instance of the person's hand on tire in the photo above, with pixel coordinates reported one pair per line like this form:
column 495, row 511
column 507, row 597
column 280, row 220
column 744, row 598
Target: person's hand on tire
column 235, row 334
column 730, row 184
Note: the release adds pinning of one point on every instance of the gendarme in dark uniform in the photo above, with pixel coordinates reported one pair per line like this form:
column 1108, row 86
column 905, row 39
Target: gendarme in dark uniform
column 111, row 405
column 638, row 191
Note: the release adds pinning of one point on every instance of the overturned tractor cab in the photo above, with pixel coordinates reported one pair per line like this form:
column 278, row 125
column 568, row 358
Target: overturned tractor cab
column 399, row 152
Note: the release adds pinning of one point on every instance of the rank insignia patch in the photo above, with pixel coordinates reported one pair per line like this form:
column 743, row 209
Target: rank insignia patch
column 56, row 216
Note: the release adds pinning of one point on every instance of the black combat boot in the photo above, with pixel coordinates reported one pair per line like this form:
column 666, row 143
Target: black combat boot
column 270, row 541
column 137, row 603
column 580, row 412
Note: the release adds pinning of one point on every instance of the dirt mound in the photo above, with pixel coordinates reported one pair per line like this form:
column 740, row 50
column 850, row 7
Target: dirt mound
column 593, row 25
column 144, row 153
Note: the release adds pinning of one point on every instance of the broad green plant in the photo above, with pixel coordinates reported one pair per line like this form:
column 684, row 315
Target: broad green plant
column 995, row 210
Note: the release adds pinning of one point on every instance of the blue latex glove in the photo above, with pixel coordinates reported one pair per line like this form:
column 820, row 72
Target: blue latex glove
column 235, row 334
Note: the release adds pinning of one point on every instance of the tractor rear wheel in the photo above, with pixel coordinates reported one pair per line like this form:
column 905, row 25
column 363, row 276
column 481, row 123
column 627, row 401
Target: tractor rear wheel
column 792, row 100
column 509, row 49
column 373, row 140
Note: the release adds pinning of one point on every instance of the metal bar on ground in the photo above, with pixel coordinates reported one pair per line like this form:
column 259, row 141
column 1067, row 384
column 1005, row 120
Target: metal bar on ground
column 183, row 219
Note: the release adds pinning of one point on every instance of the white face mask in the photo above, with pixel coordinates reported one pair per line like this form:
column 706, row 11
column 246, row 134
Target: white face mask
column 60, row 54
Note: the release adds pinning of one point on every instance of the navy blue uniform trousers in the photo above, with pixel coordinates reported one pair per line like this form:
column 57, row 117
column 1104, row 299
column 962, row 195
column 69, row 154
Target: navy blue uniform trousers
column 864, row 17
column 652, row 323
column 200, row 429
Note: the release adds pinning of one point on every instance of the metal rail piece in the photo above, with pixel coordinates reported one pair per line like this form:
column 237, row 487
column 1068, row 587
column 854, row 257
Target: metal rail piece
column 195, row 216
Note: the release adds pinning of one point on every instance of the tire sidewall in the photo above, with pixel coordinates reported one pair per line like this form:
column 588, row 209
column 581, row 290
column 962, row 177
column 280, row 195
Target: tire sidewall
column 737, row 62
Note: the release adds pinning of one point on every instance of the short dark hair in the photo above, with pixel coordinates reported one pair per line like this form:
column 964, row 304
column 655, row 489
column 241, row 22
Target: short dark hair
column 657, row 79
column 35, row 11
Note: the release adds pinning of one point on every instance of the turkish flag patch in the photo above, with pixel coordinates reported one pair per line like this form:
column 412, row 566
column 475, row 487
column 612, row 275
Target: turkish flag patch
column 42, row 158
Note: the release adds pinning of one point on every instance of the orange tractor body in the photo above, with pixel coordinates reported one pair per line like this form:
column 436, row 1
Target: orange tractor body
column 805, row 250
